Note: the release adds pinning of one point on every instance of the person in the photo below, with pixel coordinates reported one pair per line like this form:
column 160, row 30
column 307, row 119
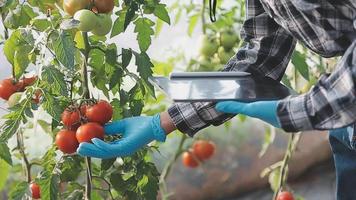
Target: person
column 270, row 32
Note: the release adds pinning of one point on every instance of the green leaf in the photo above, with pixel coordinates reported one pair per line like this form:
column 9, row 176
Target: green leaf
column 63, row 46
column 144, row 30
column 118, row 26
column 49, row 184
column 107, row 163
column 51, row 105
column 19, row 191
column 299, row 62
column 5, row 153
column 274, row 178
column 193, row 20
column 162, row 13
column 130, row 14
column 55, row 81
column 17, row 48
column 4, row 173
column 71, row 168
column 144, row 65
column 126, row 57
column 268, row 139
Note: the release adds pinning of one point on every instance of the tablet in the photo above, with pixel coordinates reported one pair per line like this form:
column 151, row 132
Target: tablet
column 214, row 86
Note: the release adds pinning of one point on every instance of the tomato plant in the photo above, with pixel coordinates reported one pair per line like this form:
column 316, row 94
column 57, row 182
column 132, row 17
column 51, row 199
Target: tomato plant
column 59, row 61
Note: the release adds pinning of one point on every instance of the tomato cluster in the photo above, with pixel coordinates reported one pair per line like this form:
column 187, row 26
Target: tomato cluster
column 83, row 123
column 11, row 90
column 93, row 15
column 202, row 150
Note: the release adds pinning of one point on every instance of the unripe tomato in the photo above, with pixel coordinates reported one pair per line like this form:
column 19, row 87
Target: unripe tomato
column 189, row 160
column 104, row 6
column 71, row 118
column 66, row 141
column 203, row 149
column 228, row 39
column 89, row 131
column 208, row 46
column 7, row 88
column 285, row 196
column 35, row 191
column 14, row 99
column 103, row 25
column 72, row 6
column 87, row 19
column 101, row 112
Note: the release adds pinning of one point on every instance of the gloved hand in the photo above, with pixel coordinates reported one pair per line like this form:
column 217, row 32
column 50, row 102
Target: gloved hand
column 264, row 110
column 136, row 131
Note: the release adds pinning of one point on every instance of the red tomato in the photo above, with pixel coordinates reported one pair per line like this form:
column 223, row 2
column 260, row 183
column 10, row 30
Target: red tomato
column 203, row 149
column 285, row 196
column 104, row 6
column 89, row 131
column 7, row 88
column 101, row 112
column 71, row 119
column 66, row 141
column 35, row 190
column 189, row 160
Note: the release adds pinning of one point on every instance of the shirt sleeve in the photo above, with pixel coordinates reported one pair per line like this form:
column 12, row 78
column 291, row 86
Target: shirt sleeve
column 330, row 104
column 266, row 51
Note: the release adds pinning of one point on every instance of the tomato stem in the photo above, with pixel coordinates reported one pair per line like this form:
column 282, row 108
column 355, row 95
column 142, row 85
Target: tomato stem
column 86, row 95
column 292, row 144
column 203, row 17
column 21, row 148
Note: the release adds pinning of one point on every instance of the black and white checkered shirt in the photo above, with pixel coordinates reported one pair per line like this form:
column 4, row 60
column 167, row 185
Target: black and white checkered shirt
column 270, row 32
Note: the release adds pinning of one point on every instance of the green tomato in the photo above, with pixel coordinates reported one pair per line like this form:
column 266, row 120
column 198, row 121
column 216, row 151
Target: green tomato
column 208, row 46
column 87, row 19
column 228, row 39
column 224, row 56
column 103, row 25
column 14, row 99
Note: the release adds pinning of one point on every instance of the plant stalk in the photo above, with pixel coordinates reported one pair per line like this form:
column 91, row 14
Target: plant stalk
column 86, row 95
column 21, row 148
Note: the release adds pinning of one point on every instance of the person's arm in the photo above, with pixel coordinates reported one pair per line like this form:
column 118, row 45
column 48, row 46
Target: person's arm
column 266, row 51
column 330, row 104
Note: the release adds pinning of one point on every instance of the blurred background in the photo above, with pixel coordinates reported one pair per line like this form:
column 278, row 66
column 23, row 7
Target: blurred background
column 234, row 172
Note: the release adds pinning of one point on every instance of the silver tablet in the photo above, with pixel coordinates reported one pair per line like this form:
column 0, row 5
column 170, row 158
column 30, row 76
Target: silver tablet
column 219, row 86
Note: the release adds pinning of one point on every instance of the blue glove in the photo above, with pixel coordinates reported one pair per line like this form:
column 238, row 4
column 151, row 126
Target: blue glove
column 264, row 110
column 136, row 131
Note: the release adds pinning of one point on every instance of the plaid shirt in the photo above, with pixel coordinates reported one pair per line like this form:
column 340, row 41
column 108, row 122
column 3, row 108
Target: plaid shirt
column 270, row 32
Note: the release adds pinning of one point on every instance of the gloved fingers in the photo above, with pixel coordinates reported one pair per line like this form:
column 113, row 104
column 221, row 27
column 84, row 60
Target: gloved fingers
column 233, row 107
column 115, row 127
column 118, row 148
column 90, row 150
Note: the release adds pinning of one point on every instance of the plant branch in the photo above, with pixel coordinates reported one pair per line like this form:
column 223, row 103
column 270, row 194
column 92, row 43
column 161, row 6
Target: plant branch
column 21, row 148
column 203, row 20
column 292, row 144
column 107, row 183
column 86, row 95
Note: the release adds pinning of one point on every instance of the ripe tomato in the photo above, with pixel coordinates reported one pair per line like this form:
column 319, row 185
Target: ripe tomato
column 37, row 97
column 203, row 149
column 23, row 83
column 66, row 141
column 35, row 190
column 89, row 131
column 101, row 112
column 104, row 6
column 72, row 6
column 71, row 118
column 189, row 160
column 7, row 88
column 285, row 195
